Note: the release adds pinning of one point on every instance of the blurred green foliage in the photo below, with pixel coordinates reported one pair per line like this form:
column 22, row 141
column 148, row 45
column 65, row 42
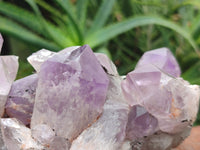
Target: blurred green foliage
column 123, row 29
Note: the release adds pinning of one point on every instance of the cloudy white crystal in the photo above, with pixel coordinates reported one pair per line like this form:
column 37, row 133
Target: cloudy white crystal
column 38, row 58
column 9, row 67
column 17, row 137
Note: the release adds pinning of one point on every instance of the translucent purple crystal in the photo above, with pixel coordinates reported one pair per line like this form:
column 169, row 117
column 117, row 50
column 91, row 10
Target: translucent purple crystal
column 140, row 123
column 70, row 84
column 161, row 58
column 21, row 99
column 108, row 132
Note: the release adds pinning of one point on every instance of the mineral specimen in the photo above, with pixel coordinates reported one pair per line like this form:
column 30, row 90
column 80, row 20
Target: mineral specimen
column 171, row 100
column 71, row 92
column 77, row 101
column 170, row 104
column 21, row 99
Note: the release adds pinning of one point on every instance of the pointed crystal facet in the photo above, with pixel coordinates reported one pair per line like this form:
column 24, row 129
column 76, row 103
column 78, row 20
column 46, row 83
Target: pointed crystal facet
column 17, row 137
column 71, row 91
column 21, row 99
column 141, row 83
column 8, row 67
column 38, row 58
column 108, row 132
column 163, row 59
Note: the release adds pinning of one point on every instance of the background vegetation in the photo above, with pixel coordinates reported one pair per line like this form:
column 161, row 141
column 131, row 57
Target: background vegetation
column 123, row 29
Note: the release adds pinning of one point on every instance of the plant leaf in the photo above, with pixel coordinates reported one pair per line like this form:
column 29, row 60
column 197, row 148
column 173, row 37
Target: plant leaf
column 107, row 33
column 81, row 13
column 28, row 19
column 14, row 29
column 54, row 32
column 193, row 74
column 66, row 5
column 102, row 15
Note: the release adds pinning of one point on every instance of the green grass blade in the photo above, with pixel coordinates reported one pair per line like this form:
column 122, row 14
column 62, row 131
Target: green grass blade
column 62, row 21
column 107, row 33
column 15, row 30
column 66, row 5
column 27, row 19
column 53, row 31
column 102, row 15
column 81, row 13
column 49, row 8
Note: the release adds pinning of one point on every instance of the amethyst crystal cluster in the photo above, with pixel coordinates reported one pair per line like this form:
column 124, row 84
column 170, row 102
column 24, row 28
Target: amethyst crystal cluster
column 76, row 100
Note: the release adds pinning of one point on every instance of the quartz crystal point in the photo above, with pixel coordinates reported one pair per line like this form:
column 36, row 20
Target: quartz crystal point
column 21, row 99
column 107, row 133
column 38, row 58
column 18, row 137
column 1, row 42
column 163, row 59
column 8, row 71
column 71, row 92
